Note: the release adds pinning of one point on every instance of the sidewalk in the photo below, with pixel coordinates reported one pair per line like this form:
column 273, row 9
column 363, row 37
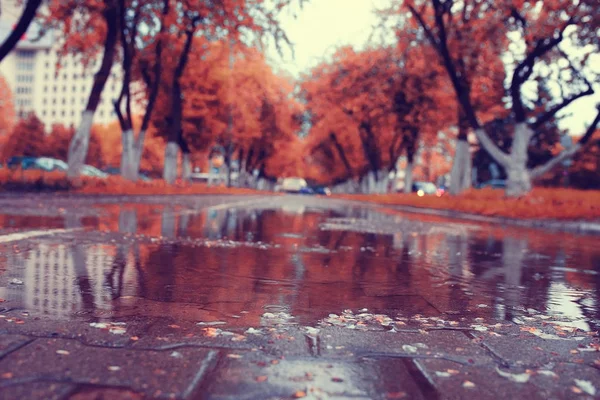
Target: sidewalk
column 355, row 356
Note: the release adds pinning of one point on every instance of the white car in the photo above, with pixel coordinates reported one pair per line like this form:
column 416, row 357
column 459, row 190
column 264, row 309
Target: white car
column 292, row 185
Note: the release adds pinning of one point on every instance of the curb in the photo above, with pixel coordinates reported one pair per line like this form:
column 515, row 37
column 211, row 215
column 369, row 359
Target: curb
column 583, row 227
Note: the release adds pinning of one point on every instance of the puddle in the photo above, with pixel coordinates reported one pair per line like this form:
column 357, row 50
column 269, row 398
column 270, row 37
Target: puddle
column 300, row 261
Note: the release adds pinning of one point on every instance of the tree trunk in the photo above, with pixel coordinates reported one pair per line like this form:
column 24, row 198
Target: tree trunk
column 519, row 178
column 186, row 171
column 408, row 175
column 138, row 152
column 128, row 156
column 79, row 144
column 460, row 174
column 78, row 147
column 171, row 157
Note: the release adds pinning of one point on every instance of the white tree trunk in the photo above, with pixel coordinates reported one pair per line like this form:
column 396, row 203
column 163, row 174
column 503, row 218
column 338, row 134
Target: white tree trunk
column 128, row 156
column 460, row 174
column 519, row 178
column 408, row 177
column 170, row 167
column 78, row 147
column 186, row 171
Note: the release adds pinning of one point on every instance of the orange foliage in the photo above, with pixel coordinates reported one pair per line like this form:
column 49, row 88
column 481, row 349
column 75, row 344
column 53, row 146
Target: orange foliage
column 7, row 111
column 112, row 146
column 245, row 107
column 26, row 139
column 57, row 181
column 369, row 107
column 563, row 204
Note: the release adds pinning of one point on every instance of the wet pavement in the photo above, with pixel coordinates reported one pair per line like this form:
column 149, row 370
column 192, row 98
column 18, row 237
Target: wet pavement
column 288, row 297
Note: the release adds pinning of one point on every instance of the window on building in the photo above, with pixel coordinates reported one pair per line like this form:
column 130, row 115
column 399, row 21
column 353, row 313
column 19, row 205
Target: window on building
column 64, row 88
column 62, row 113
column 72, row 113
column 47, row 51
column 54, row 89
column 45, row 89
column 53, row 113
column 74, row 88
column 72, row 100
column 44, row 113
column 64, row 101
column 45, row 101
column 65, row 77
column 101, row 114
column 46, row 76
column 47, row 64
column 74, row 76
column 53, row 101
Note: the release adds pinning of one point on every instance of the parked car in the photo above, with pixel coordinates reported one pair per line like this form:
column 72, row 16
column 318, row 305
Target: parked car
column 88, row 170
column 23, row 162
column 51, row 164
column 291, row 185
column 423, row 188
column 493, row 183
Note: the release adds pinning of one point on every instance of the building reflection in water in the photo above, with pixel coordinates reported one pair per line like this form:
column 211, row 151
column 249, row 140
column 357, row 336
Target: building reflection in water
column 308, row 271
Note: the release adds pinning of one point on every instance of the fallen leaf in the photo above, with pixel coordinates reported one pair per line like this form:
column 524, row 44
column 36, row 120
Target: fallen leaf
column 274, row 362
column 519, row 378
column 575, row 389
column 453, row 371
column 299, row 394
column 134, row 338
column 261, row 378
column 443, row 374
column 586, row 386
column 409, row 349
column 7, row 375
column 236, row 356
column 174, row 326
column 468, row 384
column 114, row 368
column 62, row 352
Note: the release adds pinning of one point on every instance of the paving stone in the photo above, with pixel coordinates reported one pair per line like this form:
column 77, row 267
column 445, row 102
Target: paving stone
column 523, row 348
column 80, row 330
column 36, row 390
column 455, row 381
column 9, row 343
column 319, row 379
column 342, row 342
column 105, row 394
column 153, row 373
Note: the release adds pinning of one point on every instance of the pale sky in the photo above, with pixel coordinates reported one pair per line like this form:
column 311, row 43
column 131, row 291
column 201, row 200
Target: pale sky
column 323, row 25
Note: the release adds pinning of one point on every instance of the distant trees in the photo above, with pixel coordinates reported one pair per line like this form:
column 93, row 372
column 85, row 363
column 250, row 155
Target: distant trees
column 533, row 33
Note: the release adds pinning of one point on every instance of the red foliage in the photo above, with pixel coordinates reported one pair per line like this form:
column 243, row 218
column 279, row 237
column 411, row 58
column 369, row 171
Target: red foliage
column 563, row 204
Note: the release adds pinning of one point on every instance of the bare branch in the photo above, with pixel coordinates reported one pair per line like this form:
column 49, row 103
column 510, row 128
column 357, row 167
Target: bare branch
column 567, row 154
column 28, row 15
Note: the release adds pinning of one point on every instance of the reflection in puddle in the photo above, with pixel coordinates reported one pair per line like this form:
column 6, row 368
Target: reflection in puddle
column 238, row 265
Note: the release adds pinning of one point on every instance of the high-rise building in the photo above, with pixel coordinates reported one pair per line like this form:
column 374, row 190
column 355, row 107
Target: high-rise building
column 57, row 94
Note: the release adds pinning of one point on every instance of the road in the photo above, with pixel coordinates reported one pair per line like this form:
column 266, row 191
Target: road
column 235, row 297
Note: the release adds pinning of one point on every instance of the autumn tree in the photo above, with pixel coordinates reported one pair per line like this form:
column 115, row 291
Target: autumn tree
column 369, row 107
column 90, row 29
column 541, row 30
column 135, row 16
column 56, row 145
column 243, row 107
column 26, row 139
